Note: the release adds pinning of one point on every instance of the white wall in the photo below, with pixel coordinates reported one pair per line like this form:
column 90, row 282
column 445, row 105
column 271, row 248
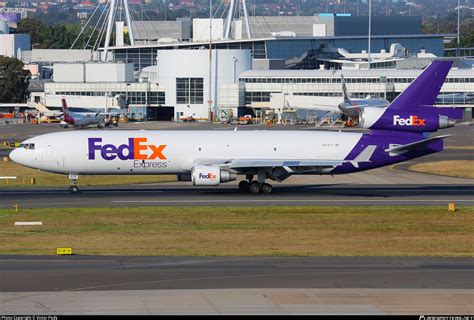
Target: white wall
column 109, row 72
column 93, row 72
column 69, row 72
column 201, row 29
column 319, row 30
column 62, row 55
column 174, row 64
column 10, row 43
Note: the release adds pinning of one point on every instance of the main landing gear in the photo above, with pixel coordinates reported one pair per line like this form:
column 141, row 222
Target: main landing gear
column 254, row 187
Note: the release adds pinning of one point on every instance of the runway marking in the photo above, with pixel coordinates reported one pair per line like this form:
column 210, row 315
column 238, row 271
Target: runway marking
column 83, row 192
column 398, row 190
column 329, row 189
column 247, row 276
column 291, row 200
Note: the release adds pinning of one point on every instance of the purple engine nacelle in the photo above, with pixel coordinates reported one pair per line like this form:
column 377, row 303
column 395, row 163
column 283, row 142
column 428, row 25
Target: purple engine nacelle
column 422, row 119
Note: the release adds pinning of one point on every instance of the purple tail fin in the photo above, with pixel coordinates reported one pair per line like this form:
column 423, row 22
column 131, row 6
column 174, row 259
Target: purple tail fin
column 424, row 89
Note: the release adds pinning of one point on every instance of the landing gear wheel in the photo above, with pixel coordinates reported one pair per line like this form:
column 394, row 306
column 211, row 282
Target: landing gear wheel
column 267, row 188
column 73, row 189
column 255, row 187
column 244, row 186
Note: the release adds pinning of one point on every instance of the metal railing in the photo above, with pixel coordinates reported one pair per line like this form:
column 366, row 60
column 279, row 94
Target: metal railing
column 330, row 118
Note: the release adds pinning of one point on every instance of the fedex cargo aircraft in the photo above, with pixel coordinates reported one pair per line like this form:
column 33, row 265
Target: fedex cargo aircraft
column 397, row 133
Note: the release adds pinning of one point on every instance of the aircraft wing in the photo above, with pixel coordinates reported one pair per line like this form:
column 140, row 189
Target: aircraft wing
column 246, row 164
column 322, row 107
column 52, row 113
column 272, row 163
column 288, row 166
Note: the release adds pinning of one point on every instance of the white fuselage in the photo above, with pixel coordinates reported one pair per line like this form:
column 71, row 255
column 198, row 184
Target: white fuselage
column 176, row 152
column 82, row 120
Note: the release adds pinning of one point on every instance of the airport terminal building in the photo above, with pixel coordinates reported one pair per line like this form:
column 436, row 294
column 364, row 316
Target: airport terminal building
column 164, row 78
column 179, row 86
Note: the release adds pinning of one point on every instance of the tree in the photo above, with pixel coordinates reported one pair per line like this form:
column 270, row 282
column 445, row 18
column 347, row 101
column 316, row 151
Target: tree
column 14, row 81
column 56, row 36
column 33, row 27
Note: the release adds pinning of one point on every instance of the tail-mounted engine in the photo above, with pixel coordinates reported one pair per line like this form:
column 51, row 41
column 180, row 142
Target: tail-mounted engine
column 416, row 120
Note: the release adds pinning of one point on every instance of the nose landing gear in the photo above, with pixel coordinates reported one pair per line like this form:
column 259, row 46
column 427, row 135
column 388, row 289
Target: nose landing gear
column 73, row 178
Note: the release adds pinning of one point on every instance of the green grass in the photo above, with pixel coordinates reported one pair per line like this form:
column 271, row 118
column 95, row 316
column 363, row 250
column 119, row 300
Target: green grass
column 25, row 174
column 236, row 231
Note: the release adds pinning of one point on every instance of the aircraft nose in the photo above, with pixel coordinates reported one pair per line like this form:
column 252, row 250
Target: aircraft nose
column 14, row 155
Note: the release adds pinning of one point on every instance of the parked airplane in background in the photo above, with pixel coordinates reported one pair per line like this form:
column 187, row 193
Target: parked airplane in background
column 81, row 120
column 352, row 107
column 398, row 133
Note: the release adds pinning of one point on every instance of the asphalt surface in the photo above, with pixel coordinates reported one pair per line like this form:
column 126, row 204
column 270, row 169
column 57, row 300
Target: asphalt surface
column 159, row 195
column 91, row 273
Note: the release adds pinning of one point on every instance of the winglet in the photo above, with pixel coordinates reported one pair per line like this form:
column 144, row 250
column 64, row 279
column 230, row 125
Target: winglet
column 364, row 156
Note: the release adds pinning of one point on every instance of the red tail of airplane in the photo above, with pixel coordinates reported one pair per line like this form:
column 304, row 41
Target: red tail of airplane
column 65, row 110
column 67, row 118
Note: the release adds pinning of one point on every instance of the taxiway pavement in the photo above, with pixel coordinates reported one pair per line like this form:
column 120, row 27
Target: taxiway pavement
column 182, row 195
column 90, row 273
column 235, row 285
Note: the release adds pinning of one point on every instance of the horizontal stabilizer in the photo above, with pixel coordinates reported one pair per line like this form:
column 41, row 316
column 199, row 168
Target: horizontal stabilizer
column 451, row 113
column 397, row 149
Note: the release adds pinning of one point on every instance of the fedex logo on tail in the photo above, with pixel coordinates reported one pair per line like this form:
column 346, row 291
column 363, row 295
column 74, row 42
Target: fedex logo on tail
column 411, row 121
column 136, row 149
column 207, row 176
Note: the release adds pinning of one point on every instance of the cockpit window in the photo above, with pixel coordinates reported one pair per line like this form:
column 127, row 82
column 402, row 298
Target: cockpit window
column 29, row 146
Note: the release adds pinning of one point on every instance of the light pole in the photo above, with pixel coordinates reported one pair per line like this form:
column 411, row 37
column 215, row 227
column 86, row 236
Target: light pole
column 234, row 70
column 209, row 101
column 280, row 114
column 459, row 33
column 370, row 31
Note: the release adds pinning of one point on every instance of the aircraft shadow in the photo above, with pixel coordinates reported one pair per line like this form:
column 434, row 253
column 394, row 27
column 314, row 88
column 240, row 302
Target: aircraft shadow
column 280, row 191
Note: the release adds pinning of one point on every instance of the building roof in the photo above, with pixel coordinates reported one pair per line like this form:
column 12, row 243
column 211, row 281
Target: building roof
column 288, row 73
column 215, row 42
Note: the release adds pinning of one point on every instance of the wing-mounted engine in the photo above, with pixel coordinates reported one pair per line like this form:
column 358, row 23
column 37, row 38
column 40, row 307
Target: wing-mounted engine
column 211, row 176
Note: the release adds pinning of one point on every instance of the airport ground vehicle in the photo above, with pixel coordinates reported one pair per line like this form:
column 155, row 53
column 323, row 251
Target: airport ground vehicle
column 209, row 158
column 246, row 119
column 111, row 121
